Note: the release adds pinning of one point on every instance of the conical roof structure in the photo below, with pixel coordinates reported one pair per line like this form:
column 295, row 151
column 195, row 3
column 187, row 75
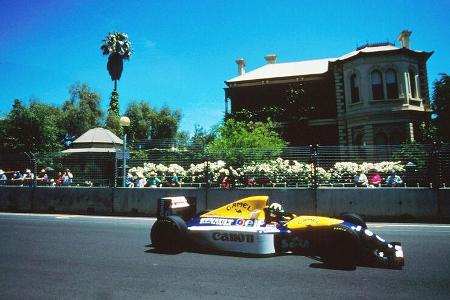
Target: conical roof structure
column 96, row 140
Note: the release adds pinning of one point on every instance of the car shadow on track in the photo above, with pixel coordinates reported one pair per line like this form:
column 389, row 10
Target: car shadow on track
column 153, row 250
column 331, row 267
column 206, row 252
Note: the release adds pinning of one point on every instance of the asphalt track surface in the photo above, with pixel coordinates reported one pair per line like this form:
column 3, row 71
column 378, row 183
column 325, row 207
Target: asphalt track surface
column 79, row 257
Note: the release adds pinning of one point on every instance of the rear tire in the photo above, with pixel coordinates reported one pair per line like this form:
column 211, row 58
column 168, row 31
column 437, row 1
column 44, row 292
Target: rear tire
column 354, row 219
column 169, row 234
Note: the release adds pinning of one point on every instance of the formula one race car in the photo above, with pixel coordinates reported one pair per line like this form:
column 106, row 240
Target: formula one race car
column 251, row 227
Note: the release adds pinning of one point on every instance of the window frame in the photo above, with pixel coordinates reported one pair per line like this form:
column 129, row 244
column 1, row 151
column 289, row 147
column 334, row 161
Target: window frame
column 412, row 83
column 354, row 89
column 392, row 90
column 377, row 89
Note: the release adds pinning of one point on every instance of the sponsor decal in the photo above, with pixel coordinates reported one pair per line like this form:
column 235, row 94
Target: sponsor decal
column 239, row 206
column 240, row 222
column 216, row 221
column 233, row 237
column 294, row 243
column 249, row 223
column 357, row 228
column 179, row 202
column 308, row 220
column 339, row 229
column 368, row 232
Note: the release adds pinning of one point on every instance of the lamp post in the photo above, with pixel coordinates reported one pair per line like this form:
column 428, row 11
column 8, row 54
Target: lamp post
column 124, row 122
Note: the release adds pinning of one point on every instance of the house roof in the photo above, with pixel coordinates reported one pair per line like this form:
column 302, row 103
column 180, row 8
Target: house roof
column 98, row 135
column 313, row 67
column 307, row 67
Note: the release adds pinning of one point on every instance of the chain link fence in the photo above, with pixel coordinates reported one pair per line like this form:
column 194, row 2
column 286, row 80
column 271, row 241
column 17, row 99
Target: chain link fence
column 193, row 165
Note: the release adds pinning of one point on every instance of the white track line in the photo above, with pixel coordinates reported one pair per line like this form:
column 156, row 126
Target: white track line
column 68, row 217
column 61, row 216
column 380, row 225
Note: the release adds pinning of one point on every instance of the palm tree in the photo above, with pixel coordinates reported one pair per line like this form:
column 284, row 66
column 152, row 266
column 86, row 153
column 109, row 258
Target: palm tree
column 118, row 47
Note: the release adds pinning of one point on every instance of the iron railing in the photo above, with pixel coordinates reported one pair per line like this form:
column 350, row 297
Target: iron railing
column 197, row 166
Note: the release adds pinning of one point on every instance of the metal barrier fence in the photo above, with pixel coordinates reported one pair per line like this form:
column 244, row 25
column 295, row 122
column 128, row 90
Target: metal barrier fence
column 196, row 166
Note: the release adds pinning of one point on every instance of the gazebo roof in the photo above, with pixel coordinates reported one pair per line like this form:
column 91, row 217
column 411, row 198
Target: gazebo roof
column 98, row 135
column 99, row 140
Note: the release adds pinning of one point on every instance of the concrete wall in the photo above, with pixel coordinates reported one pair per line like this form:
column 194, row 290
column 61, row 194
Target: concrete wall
column 378, row 202
column 387, row 202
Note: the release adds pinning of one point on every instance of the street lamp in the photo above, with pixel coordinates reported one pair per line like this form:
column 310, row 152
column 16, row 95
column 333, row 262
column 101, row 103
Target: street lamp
column 124, row 122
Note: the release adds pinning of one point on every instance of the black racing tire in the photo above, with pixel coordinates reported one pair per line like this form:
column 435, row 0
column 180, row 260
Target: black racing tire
column 354, row 219
column 169, row 234
column 342, row 250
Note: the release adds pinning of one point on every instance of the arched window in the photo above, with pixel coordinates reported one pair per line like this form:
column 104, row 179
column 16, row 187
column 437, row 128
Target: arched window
column 377, row 85
column 391, row 84
column 358, row 139
column 412, row 83
column 354, row 89
column 381, row 139
column 396, row 137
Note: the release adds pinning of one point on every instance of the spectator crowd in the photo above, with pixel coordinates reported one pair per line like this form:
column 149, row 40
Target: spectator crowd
column 28, row 178
column 373, row 179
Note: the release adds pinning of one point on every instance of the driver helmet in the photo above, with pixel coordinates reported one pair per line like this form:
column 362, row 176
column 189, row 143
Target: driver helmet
column 276, row 208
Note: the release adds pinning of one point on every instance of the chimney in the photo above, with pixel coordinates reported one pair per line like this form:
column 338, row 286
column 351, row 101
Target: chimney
column 241, row 64
column 404, row 38
column 271, row 58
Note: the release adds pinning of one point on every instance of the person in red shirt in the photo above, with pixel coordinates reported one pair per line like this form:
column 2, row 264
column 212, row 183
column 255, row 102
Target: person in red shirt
column 225, row 184
column 374, row 178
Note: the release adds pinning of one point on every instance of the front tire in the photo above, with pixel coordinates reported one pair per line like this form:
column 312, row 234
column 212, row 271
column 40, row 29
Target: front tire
column 354, row 219
column 169, row 234
column 342, row 250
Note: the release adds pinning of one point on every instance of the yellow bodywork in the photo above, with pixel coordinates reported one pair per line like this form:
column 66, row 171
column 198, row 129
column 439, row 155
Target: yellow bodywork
column 246, row 208
column 312, row 221
column 255, row 208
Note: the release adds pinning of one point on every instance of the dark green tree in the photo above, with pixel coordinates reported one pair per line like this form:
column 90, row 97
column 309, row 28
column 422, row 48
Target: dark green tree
column 165, row 124
column 82, row 111
column 141, row 117
column 32, row 129
column 441, row 106
column 202, row 137
column 239, row 142
column 113, row 120
column 147, row 122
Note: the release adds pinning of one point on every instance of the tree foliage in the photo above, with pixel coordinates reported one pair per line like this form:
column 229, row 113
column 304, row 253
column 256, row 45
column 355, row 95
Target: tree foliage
column 141, row 116
column 112, row 122
column 147, row 122
column 33, row 129
column 202, row 137
column 165, row 124
column 82, row 111
column 441, row 106
column 118, row 47
column 237, row 141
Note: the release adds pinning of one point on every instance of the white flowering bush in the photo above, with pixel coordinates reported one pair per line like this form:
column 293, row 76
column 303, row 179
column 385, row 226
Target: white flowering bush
column 345, row 171
column 273, row 171
column 159, row 169
column 278, row 171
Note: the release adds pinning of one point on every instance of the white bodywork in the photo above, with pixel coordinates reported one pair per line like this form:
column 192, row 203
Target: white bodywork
column 245, row 240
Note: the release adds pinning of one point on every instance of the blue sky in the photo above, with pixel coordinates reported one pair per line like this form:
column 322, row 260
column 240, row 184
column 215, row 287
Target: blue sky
column 185, row 50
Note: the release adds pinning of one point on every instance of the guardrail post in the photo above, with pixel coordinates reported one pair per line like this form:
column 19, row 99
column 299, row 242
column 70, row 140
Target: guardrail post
column 314, row 160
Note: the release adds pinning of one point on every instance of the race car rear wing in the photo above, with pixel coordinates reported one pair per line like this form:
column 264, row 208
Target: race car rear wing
column 182, row 206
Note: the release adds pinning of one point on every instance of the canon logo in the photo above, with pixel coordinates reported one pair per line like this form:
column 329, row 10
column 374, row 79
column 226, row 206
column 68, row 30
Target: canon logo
column 233, row 237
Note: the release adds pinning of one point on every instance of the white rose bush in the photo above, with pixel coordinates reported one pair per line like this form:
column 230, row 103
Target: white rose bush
column 271, row 172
